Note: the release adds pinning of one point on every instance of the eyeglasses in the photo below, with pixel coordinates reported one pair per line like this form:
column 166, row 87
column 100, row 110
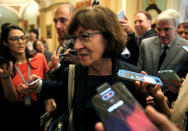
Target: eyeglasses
column 16, row 38
column 84, row 37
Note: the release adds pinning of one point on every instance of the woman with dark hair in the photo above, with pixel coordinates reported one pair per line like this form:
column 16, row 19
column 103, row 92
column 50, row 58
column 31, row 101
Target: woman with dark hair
column 98, row 40
column 26, row 109
column 38, row 45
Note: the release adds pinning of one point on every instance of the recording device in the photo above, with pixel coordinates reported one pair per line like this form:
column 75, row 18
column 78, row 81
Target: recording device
column 33, row 82
column 95, row 2
column 119, row 110
column 167, row 75
column 133, row 76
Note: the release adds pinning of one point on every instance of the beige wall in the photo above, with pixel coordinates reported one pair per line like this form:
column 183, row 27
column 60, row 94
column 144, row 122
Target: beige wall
column 46, row 19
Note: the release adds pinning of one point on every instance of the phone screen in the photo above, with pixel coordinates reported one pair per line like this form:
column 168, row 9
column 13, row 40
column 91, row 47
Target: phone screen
column 133, row 76
column 119, row 110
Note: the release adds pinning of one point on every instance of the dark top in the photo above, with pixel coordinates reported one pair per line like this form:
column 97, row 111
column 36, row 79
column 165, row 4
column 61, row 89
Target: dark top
column 48, row 55
column 85, row 116
column 134, row 47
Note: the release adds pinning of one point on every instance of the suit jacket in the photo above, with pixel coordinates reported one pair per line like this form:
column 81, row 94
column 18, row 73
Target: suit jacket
column 133, row 46
column 149, row 33
column 150, row 51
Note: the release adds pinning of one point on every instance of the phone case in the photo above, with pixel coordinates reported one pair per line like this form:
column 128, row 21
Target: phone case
column 185, row 48
column 166, row 75
column 119, row 110
column 133, row 76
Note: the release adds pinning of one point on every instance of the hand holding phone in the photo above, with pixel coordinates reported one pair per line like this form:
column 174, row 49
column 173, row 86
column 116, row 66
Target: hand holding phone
column 133, row 76
column 33, row 82
column 119, row 110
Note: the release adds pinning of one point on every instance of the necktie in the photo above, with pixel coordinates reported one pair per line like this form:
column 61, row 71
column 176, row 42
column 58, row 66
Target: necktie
column 162, row 57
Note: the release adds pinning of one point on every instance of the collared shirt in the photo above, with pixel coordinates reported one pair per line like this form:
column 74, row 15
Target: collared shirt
column 162, row 46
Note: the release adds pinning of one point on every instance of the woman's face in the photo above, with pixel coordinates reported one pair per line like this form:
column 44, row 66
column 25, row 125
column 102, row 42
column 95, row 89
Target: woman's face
column 89, row 45
column 16, row 42
column 40, row 47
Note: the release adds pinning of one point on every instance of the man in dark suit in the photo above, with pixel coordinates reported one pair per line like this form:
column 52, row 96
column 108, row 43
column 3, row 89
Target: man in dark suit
column 143, row 30
column 62, row 17
column 164, row 52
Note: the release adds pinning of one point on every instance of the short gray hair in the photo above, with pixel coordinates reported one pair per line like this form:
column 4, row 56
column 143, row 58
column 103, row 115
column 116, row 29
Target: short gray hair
column 170, row 14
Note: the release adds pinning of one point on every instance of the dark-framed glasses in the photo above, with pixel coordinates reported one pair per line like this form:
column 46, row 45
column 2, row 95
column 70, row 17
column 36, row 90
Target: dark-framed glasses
column 84, row 37
column 16, row 38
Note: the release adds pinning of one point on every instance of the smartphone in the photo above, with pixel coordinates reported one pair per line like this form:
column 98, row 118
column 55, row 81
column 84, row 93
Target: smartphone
column 33, row 82
column 119, row 110
column 121, row 14
column 133, row 76
column 185, row 47
column 167, row 75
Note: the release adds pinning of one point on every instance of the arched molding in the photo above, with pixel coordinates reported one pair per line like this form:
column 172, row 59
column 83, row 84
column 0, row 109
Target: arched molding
column 11, row 10
column 51, row 7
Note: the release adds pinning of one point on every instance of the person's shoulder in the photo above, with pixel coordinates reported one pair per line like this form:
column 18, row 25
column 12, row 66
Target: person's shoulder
column 38, row 56
column 128, row 66
column 150, row 39
column 149, row 33
column 148, row 42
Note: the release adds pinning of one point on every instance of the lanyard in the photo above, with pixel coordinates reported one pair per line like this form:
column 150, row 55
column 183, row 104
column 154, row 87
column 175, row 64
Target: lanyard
column 20, row 74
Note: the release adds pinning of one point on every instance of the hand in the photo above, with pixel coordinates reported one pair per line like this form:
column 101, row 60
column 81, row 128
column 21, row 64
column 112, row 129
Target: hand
column 158, row 118
column 161, row 120
column 173, row 85
column 5, row 72
column 143, row 88
column 23, row 89
column 125, row 24
column 99, row 126
column 54, row 60
column 35, row 85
